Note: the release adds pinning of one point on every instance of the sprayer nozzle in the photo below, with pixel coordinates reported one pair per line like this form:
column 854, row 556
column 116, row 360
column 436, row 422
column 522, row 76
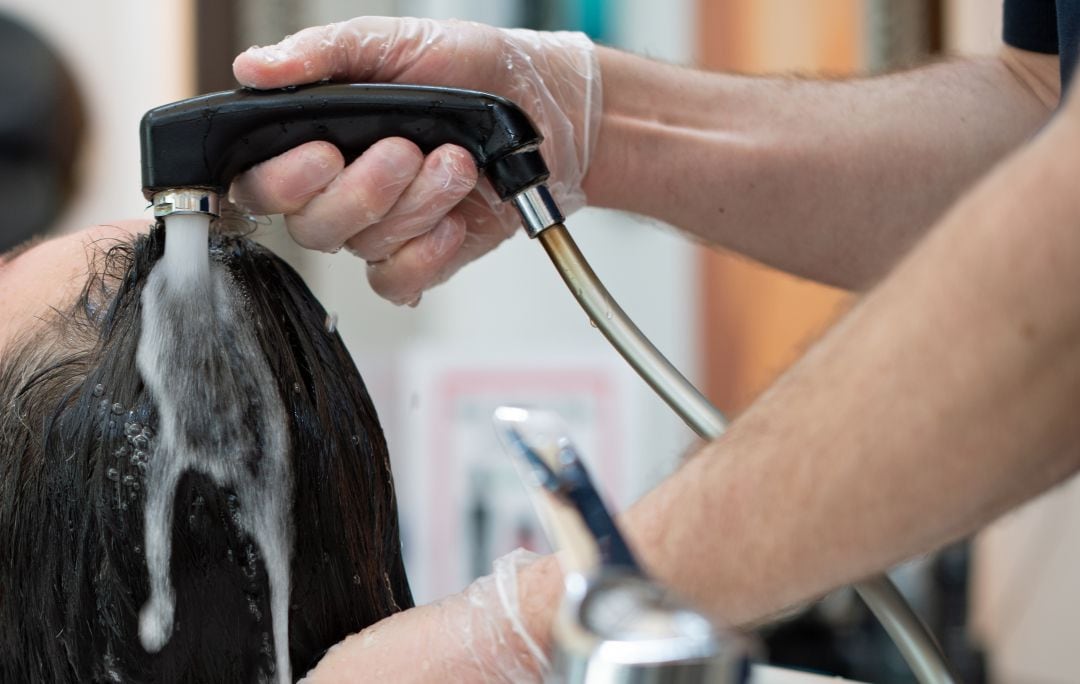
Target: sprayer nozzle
column 206, row 141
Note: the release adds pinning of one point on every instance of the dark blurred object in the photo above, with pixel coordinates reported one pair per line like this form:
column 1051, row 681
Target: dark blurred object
column 901, row 35
column 216, row 26
column 41, row 129
column 840, row 636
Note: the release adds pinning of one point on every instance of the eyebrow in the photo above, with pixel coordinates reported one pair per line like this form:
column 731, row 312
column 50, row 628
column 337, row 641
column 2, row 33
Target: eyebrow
column 20, row 249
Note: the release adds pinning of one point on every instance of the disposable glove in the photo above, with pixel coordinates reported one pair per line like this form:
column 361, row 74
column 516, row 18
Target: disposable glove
column 416, row 220
column 479, row 635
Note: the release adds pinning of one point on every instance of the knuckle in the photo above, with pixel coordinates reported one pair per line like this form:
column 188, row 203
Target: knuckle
column 363, row 201
column 365, row 252
column 376, row 245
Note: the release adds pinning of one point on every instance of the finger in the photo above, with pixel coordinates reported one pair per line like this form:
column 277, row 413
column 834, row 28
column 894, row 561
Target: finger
column 402, row 278
column 361, row 195
column 419, row 263
column 490, row 222
column 283, row 184
column 448, row 175
column 362, row 49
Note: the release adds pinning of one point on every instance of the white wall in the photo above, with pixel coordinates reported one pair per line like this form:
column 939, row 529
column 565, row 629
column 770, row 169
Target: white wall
column 127, row 56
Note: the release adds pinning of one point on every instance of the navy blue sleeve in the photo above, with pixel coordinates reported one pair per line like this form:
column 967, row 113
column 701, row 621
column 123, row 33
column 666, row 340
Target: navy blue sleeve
column 1031, row 25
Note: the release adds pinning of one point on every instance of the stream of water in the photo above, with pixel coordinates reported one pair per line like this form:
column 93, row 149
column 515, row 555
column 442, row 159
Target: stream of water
column 220, row 415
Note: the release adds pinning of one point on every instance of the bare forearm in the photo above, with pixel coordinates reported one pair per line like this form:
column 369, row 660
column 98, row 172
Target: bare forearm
column 946, row 397
column 829, row 180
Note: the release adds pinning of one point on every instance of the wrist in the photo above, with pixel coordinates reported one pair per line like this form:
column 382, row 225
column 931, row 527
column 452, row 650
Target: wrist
column 555, row 78
column 541, row 587
column 657, row 123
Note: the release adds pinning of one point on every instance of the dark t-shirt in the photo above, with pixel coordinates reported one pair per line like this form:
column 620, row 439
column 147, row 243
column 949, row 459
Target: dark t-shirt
column 1045, row 26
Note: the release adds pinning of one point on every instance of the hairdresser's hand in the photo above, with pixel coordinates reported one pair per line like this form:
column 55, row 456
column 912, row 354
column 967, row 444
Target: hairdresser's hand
column 416, row 220
column 494, row 631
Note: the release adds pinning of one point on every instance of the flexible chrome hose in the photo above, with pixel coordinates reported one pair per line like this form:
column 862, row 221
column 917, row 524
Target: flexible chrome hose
column 679, row 393
column 910, row 635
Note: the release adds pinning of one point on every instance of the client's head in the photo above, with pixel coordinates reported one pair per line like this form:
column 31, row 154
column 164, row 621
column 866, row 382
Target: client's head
column 79, row 431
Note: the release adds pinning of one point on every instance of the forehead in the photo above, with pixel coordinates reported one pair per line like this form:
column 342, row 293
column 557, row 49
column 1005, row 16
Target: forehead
column 51, row 275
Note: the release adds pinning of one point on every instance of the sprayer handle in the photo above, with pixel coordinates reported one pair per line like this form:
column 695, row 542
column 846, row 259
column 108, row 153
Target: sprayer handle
column 206, row 141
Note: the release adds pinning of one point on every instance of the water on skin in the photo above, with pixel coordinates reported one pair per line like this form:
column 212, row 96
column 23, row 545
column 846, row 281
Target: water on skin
column 220, row 415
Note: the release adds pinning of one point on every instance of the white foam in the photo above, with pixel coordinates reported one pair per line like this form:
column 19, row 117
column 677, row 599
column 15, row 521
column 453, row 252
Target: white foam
column 220, row 415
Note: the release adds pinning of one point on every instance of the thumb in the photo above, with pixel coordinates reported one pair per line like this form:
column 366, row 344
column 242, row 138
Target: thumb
column 364, row 49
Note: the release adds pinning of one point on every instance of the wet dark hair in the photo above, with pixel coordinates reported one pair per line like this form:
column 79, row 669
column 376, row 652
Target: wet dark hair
column 76, row 430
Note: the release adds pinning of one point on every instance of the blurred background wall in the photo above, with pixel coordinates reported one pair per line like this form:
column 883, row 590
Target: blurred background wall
column 126, row 56
column 505, row 330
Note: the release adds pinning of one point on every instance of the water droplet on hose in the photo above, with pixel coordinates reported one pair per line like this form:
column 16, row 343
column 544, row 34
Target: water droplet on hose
column 99, row 390
column 118, row 408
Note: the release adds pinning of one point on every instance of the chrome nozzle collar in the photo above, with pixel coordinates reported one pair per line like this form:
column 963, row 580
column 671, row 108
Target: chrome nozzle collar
column 185, row 201
column 538, row 209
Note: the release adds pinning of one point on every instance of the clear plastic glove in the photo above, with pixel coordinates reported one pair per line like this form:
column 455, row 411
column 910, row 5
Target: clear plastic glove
column 416, row 220
column 479, row 635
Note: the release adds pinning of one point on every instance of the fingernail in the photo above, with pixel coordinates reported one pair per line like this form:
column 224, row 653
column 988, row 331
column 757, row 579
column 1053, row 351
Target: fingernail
column 455, row 167
column 318, row 157
column 398, row 161
column 443, row 237
column 268, row 54
column 448, row 169
column 415, row 302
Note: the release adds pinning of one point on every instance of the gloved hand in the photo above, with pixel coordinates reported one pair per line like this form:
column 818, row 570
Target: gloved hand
column 479, row 635
column 416, row 220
